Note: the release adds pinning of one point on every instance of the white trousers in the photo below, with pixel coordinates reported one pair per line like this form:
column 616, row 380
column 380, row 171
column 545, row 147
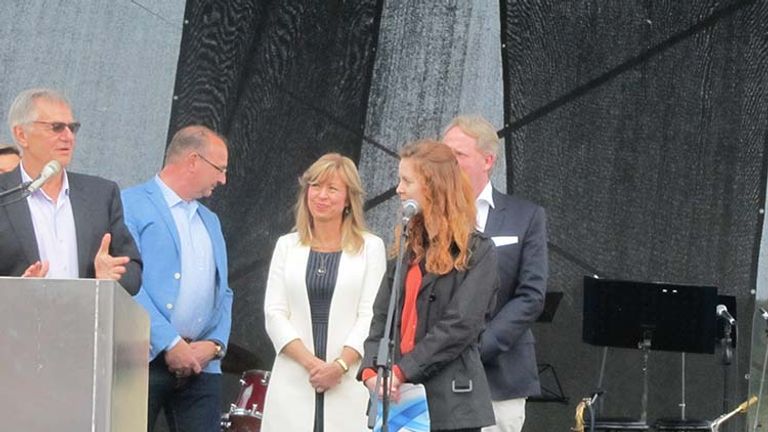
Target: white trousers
column 510, row 416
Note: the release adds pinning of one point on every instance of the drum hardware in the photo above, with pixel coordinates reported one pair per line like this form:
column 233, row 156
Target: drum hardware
column 714, row 426
column 224, row 422
column 586, row 403
column 579, row 417
column 245, row 414
column 741, row 409
column 253, row 411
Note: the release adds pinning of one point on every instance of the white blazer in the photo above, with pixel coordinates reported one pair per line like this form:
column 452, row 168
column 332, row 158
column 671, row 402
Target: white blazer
column 290, row 400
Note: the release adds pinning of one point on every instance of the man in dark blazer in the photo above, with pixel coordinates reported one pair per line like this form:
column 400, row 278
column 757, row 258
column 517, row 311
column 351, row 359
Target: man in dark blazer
column 518, row 228
column 72, row 227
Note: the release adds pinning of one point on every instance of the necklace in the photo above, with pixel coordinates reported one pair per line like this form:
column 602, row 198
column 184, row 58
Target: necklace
column 323, row 251
column 323, row 258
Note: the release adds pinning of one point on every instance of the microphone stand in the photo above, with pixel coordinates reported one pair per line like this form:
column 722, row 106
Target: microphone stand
column 18, row 188
column 726, row 342
column 24, row 195
column 389, row 341
column 756, row 425
column 52, row 168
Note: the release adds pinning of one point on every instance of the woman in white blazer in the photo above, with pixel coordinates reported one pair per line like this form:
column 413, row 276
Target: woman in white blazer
column 318, row 304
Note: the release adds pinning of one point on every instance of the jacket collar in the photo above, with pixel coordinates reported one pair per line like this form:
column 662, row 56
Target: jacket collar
column 19, row 215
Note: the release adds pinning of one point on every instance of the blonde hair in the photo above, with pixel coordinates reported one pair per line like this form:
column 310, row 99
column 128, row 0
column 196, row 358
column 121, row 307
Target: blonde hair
column 353, row 221
column 440, row 234
column 478, row 128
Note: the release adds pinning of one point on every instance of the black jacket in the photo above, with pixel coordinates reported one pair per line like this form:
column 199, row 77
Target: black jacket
column 452, row 311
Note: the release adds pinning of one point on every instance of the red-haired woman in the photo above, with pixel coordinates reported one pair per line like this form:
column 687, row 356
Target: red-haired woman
column 449, row 287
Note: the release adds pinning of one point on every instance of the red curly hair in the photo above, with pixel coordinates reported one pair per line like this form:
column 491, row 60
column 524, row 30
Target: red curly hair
column 439, row 235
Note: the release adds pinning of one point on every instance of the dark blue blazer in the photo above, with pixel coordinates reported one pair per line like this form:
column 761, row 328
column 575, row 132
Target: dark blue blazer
column 97, row 210
column 518, row 228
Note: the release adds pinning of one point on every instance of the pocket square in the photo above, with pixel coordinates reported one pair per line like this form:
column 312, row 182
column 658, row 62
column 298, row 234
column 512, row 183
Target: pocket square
column 504, row 240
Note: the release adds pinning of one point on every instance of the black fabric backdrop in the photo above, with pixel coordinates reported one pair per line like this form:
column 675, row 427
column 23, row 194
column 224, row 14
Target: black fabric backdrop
column 639, row 126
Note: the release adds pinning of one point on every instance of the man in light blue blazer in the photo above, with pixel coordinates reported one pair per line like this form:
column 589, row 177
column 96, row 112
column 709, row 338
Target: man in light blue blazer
column 518, row 229
column 185, row 288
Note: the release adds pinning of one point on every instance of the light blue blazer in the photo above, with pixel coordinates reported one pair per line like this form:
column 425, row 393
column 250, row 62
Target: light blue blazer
column 150, row 222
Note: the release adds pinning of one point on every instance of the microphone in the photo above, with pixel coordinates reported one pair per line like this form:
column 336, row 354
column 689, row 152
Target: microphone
column 722, row 312
column 410, row 209
column 49, row 170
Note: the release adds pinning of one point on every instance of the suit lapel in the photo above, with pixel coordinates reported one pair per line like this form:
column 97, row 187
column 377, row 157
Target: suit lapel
column 295, row 265
column 20, row 217
column 155, row 195
column 496, row 214
column 345, row 261
column 427, row 280
column 210, row 226
column 81, row 209
column 349, row 268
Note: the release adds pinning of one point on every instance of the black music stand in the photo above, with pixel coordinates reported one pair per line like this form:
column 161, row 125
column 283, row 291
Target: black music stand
column 551, row 389
column 727, row 342
column 551, row 302
column 645, row 315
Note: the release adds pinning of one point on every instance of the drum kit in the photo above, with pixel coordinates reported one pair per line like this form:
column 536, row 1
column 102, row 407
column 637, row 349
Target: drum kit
column 245, row 414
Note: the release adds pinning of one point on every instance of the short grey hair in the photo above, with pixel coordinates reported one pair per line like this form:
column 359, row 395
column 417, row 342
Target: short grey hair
column 479, row 128
column 190, row 138
column 23, row 108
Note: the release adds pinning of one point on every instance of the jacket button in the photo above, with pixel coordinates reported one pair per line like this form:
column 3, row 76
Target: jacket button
column 169, row 306
column 177, row 276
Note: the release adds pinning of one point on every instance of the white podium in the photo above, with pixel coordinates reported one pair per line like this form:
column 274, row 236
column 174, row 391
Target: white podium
column 73, row 356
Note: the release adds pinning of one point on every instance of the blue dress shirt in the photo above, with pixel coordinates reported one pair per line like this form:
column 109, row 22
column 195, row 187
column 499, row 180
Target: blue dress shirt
column 194, row 305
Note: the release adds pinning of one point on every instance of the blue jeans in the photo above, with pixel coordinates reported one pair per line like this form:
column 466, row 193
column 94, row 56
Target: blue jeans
column 191, row 404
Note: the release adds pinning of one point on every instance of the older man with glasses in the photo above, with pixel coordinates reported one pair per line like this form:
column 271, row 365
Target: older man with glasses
column 72, row 226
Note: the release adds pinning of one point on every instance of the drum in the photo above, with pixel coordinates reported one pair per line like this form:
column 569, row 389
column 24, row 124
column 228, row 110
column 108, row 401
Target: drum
column 245, row 414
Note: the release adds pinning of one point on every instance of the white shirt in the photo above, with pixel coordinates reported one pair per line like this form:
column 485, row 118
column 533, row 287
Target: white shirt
column 54, row 230
column 484, row 202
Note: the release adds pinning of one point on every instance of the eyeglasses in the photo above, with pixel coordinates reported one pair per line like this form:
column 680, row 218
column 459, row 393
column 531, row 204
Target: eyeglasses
column 222, row 170
column 58, row 127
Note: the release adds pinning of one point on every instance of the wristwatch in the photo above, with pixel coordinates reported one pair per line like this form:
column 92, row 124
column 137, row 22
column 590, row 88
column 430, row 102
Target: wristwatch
column 219, row 354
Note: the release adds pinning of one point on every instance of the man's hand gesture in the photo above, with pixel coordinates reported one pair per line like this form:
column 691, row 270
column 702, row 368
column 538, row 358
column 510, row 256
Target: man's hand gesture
column 107, row 266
